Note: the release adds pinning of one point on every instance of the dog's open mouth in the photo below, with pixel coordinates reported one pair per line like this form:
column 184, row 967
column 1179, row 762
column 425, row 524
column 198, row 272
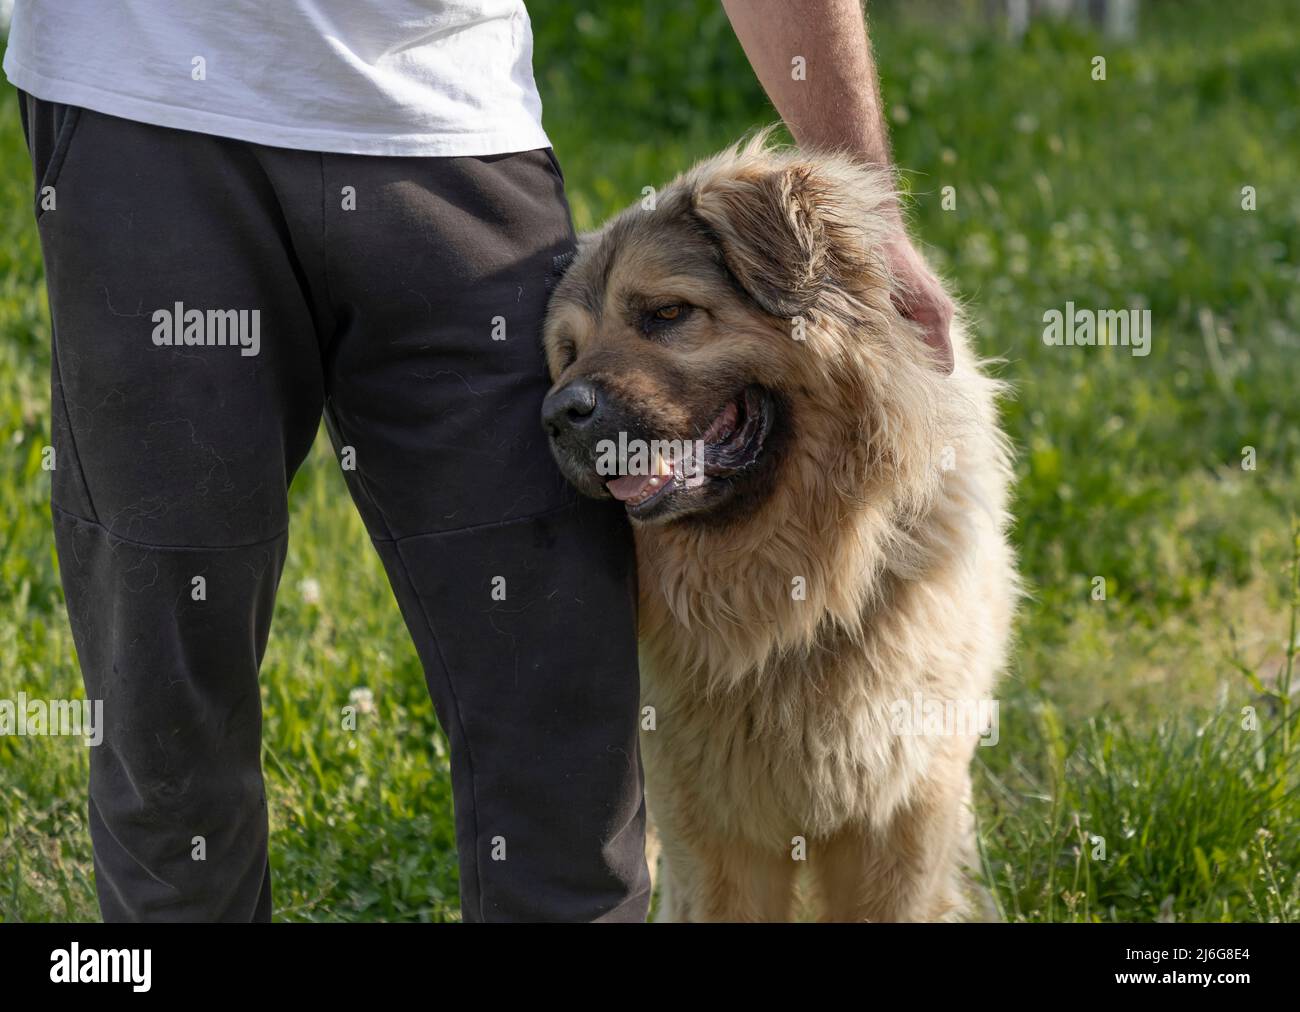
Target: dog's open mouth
column 731, row 444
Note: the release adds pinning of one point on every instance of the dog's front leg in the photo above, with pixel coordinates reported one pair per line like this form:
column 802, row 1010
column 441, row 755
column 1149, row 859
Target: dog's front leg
column 910, row 870
column 712, row 879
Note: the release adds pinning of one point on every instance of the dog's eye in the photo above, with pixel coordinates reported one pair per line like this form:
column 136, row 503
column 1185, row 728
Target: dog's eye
column 565, row 354
column 665, row 316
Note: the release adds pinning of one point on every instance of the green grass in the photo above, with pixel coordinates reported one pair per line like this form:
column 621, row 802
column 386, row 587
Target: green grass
column 1121, row 719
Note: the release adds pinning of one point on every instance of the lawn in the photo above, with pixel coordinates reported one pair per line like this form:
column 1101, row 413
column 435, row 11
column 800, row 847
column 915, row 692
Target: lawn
column 1147, row 767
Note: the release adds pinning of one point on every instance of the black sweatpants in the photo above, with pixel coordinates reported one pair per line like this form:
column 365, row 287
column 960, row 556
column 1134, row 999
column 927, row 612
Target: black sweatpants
column 210, row 299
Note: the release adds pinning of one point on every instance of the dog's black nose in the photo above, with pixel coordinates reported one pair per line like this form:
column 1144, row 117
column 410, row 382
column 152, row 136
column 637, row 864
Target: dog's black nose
column 572, row 406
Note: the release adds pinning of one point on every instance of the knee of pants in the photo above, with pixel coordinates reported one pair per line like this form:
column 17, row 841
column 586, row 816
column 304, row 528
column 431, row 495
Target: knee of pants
column 138, row 783
column 167, row 629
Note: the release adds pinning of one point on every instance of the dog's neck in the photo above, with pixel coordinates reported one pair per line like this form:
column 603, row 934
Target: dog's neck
column 719, row 606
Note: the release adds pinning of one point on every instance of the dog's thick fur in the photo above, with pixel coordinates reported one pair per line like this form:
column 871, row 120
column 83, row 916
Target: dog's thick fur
column 860, row 562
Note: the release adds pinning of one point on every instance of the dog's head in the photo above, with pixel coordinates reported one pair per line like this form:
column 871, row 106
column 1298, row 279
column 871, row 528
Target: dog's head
column 733, row 337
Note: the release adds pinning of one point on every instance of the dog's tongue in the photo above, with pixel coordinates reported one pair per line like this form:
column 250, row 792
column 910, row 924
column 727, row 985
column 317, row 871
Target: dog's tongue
column 629, row 486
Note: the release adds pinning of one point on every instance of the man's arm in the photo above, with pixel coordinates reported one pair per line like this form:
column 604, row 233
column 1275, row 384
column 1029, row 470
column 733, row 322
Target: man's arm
column 837, row 106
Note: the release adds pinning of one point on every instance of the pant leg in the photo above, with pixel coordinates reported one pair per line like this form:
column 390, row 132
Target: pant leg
column 520, row 596
column 170, row 492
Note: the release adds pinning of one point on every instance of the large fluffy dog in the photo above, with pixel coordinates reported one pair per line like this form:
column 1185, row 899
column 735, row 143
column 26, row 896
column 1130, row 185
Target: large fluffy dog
column 824, row 559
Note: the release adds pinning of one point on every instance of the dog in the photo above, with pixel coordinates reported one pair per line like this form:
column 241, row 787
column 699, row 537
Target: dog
column 824, row 549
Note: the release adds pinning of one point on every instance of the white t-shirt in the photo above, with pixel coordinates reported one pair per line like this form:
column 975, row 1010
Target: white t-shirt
column 376, row 77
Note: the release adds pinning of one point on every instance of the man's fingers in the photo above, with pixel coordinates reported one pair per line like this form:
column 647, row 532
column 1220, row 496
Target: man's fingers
column 919, row 297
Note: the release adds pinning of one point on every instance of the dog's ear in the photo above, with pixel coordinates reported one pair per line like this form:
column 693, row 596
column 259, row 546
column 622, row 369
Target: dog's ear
column 782, row 234
column 561, row 262
column 788, row 232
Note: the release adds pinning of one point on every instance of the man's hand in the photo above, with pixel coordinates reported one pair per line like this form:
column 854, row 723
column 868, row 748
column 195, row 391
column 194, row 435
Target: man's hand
column 922, row 298
column 835, row 105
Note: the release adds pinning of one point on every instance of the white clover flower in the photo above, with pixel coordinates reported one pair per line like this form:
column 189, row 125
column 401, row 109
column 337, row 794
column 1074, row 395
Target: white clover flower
column 363, row 699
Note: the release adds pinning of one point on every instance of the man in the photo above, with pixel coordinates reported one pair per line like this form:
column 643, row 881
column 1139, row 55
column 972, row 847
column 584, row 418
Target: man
column 255, row 217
